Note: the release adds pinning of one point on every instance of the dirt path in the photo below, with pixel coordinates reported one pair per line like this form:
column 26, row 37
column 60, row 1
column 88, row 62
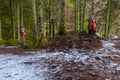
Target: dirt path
column 17, row 50
column 75, row 64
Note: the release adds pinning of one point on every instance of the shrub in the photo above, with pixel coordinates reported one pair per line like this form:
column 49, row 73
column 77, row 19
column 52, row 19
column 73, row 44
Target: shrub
column 2, row 42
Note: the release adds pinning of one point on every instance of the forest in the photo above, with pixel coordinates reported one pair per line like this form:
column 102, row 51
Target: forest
column 59, row 39
column 44, row 19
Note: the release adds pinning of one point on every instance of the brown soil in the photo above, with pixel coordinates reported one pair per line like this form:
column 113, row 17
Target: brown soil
column 79, row 71
column 74, row 40
column 15, row 51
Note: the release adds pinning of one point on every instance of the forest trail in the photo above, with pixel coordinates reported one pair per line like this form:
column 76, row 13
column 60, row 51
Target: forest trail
column 16, row 50
column 70, row 33
column 102, row 64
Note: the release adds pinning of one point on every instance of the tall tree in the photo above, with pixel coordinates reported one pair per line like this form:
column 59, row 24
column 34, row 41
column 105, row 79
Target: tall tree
column 18, row 22
column 107, row 19
column 40, row 19
column 21, row 13
column 81, row 27
column 40, row 14
column 92, row 7
column 84, row 12
column 50, row 18
column 34, row 19
column 12, row 19
column 62, row 20
column 75, row 15
column 0, row 30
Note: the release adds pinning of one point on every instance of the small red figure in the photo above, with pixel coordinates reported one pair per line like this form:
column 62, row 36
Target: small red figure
column 92, row 25
column 22, row 33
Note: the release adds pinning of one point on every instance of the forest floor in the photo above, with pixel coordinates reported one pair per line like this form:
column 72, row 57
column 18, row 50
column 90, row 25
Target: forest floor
column 73, row 57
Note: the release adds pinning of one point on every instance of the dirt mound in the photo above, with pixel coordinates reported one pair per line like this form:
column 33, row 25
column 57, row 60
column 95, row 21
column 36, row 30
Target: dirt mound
column 74, row 40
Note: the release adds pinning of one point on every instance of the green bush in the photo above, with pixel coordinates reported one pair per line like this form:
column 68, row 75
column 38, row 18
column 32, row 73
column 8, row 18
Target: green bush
column 2, row 42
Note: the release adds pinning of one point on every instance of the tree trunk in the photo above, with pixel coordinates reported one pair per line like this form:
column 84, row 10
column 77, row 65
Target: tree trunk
column 21, row 13
column 62, row 20
column 75, row 15
column 84, row 9
column 40, row 17
column 81, row 15
column 50, row 15
column 41, row 33
column 53, row 27
column 0, row 30
column 12, row 19
column 18, row 21
column 107, row 20
column 34, row 19
column 92, row 7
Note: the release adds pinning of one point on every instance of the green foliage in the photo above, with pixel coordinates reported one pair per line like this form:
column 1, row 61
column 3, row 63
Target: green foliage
column 13, row 42
column 2, row 42
column 10, row 42
column 38, row 44
column 112, row 17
